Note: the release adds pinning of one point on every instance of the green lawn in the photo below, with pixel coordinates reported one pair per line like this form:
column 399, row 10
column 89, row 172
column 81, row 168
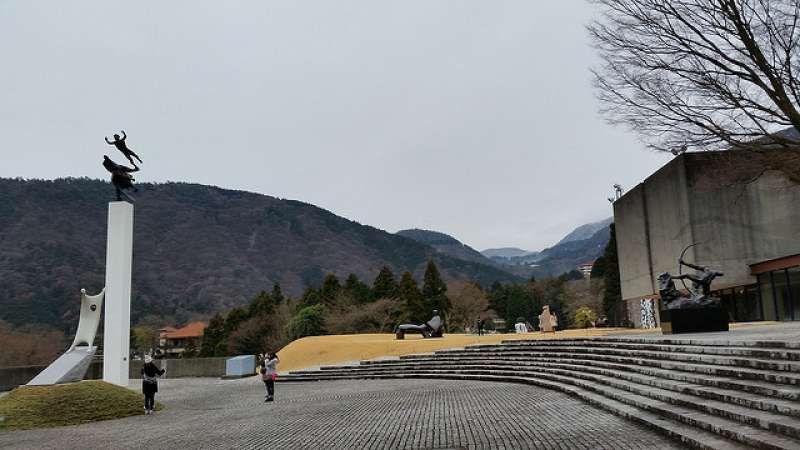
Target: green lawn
column 67, row 404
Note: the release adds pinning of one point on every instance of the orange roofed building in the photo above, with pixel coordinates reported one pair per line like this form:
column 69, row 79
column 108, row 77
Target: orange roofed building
column 175, row 341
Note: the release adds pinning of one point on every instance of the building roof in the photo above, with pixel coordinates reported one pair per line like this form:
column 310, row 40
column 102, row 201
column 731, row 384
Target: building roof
column 194, row 329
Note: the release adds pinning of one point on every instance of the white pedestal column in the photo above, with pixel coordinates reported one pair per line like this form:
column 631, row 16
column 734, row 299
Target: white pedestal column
column 117, row 325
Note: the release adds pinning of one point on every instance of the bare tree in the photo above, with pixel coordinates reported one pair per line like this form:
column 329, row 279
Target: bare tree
column 707, row 74
column 467, row 302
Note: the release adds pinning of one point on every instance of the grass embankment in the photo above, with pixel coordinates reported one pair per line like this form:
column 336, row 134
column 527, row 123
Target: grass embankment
column 324, row 350
column 337, row 349
column 67, row 404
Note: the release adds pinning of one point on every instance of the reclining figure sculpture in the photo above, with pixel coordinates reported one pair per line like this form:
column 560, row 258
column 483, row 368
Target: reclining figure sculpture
column 433, row 328
column 700, row 293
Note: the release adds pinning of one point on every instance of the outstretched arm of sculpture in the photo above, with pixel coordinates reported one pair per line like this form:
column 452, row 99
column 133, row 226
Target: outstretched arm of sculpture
column 108, row 142
column 124, row 136
column 693, row 266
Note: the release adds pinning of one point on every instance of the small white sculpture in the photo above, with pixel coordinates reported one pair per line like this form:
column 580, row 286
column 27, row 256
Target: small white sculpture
column 520, row 327
column 72, row 365
column 89, row 321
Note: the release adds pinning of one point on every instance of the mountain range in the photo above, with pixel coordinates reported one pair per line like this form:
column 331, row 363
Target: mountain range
column 197, row 249
column 201, row 249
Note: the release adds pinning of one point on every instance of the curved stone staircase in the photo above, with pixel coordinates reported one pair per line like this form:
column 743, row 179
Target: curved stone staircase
column 707, row 394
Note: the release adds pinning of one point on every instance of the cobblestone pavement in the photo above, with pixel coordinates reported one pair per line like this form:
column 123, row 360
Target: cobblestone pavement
column 379, row 414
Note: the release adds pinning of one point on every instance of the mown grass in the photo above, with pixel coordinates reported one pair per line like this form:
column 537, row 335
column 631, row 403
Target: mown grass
column 67, row 404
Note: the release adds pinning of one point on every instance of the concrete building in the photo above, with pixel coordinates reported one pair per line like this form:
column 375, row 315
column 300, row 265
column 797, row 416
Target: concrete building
column 740, row 208
column 586, row 268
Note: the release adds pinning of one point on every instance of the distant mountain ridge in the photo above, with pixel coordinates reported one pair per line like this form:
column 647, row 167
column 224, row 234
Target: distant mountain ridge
column 505, row 252
column 446, row 244
column 586, row 231
column 197, row 249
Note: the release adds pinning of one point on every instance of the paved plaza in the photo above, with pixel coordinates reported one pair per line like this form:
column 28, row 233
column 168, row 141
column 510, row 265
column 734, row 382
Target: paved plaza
column 380, row 414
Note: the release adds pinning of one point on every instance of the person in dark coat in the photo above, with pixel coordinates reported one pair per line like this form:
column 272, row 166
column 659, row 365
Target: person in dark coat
column 150, row 374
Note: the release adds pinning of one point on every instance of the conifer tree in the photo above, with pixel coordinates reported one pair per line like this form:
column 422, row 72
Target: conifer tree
column 412, row 299
column 434, row 290
column 385, row 285
column 330, row 289
column 214, row 337
column 277, row 294
column 262, row 304
column 612, row 296
column 359, row 291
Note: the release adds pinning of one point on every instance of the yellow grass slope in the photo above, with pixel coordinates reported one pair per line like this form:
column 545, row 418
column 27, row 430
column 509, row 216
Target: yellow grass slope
column 326, row 350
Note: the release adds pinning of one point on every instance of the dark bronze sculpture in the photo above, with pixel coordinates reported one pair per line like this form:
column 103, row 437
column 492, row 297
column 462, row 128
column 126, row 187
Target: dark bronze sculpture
column 698, row 312
column 700, row 293
column 119, row 143
column 121, row 177
column 433, row 328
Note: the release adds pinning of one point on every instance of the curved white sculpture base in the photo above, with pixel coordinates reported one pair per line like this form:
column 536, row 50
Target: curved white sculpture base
column 72, row 365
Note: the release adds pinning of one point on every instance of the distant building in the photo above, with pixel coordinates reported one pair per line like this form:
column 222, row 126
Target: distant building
column 175, row 341
column 586, row 268
column 742, row 212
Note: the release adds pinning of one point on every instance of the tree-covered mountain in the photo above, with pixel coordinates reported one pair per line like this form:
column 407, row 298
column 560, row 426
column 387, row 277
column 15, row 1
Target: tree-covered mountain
column 197, row 249
column 446, row 244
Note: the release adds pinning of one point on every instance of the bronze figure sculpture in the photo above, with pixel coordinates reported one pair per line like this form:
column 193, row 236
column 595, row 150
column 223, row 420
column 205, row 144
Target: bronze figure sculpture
column 119, row 143
column 700, row 311
column 121, row 177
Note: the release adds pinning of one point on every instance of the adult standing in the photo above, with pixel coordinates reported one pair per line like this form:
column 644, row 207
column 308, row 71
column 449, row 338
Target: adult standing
column 150, row 374
column 269, row 372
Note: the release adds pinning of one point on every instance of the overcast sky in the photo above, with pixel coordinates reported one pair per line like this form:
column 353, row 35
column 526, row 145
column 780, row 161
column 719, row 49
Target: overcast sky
column 475, row 118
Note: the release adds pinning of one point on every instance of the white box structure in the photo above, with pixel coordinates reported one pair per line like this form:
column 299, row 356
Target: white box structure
column 117, row 325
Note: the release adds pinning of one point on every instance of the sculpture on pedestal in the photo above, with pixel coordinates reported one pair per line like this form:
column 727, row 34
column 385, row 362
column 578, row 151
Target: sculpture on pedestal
column 121, row 176
column 697, row 312
column 433, row 328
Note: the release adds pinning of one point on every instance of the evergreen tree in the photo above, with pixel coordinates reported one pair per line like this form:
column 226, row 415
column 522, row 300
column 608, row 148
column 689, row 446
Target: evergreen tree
column 434, row 290
column 261, row 305
column 310, row 298
column 412, row 299
column 598, row 268
column 308, row 321
column 277, row 294
column 612, row 296
column 330, row 289
column 357, row 290
column 213, row 336
column 385, row 285
column 235, row 317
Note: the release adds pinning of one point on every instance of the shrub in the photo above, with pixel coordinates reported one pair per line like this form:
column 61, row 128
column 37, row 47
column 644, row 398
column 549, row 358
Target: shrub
column 309, row 321
column 585, row 317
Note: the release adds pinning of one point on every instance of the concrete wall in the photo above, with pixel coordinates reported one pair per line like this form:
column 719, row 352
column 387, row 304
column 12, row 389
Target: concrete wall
column 732, row 204
column 182, row 368
column 11, row 377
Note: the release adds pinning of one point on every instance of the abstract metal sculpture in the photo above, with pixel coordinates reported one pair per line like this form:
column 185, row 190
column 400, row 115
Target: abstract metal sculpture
column 73, row 364
column 433, row 328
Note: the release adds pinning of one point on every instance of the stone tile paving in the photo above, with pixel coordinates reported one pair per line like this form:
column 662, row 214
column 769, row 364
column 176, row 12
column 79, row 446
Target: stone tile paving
column 373, row 414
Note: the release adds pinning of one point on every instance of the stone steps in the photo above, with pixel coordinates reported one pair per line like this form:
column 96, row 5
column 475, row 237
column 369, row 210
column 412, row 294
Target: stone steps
column 689, row 385
column 741, row 351
column 701, row 366
column 716, row 394
column 719, row 360
column 776, row 415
